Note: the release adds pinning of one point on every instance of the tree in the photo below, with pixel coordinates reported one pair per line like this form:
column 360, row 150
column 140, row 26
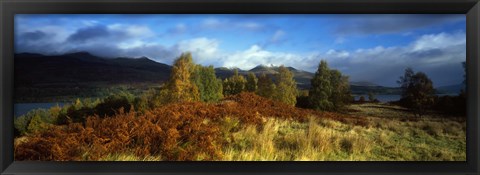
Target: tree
column 180, row 86
column 340, row 90
column 405, row 81
column 321, row 88
column 371, row 97
column 286, row 90
column 266, row 87
column 418, row 91
column 252, row 82
column 234, row 85
column 210, row 88
column 361, row 99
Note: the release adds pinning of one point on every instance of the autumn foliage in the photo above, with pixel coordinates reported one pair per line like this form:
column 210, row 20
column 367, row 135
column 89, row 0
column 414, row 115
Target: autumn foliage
column 178, row 131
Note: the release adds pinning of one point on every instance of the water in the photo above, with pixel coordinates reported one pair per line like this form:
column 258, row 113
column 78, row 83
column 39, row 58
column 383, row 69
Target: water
column 388, row 98
column 381, row 98
column 23, row 108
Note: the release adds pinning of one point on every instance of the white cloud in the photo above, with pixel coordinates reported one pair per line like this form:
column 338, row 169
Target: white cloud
column 255, row 55
column 138, row 31
column 438, row 41
column 203, row 49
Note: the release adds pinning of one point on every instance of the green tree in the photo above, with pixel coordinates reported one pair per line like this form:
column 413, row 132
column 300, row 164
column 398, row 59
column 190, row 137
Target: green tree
column 266, row 87
column 340, row 95
column 371, row 97
column 361, row 99
column 422, row 92
column 180, row 86
column 252, row 82
column 286, row 90
column 418, row 92
column 210, row 88
column 234, row 84
column 405, row 81
column 321, row 88
column 36, row 124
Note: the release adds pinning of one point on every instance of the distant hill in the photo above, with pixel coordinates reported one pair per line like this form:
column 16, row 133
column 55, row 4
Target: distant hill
column 450, row 89
column 363, row 83
column 81, row 67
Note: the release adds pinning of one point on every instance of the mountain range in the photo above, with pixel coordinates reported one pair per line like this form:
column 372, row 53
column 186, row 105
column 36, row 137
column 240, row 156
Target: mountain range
column 80, row 68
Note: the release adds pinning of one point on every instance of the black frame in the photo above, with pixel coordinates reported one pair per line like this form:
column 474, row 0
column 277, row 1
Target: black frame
column 8, row 8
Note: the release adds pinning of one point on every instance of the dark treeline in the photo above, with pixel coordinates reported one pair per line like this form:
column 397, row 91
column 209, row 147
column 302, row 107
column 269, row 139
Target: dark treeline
column 418, row 95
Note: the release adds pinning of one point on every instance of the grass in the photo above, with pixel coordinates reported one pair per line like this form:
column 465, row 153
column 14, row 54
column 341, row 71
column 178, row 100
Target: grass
column 387, row 138
column 389, row 133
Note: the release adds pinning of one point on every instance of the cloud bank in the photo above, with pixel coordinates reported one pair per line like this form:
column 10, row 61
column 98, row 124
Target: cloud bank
column 439, row 54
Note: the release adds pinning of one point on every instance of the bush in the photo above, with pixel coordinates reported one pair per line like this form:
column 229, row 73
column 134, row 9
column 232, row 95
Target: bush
column 452, row 105
column 361, row 99
column 36, row 120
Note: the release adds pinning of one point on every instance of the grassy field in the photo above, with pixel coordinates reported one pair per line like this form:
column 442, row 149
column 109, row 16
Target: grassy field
column 238, row 129
column 390, row 135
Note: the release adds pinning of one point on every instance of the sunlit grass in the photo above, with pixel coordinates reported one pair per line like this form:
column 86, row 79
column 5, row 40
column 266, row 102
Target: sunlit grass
column 383, row 139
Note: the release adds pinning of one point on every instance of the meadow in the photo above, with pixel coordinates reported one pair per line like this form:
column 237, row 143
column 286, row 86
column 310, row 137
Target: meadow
column 249, row 127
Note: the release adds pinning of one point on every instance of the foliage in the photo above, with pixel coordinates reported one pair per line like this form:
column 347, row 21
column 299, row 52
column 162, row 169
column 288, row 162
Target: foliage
column 321, row 88
column 180, row 87
column 418, row 91
column 451, row 105
column 361, row 99
column 302, row 99
column 266, row 87
column 210, row 88
column 340, row 90
column 109, row 106
column 286, row 88
column 234, row 84
column 405, row 81
column 37, row 120
column 330, row 90
column 371, row 97
column 177, row 131
column 252, row 82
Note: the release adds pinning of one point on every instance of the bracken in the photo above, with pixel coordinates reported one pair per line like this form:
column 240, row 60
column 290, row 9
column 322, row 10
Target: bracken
column 179, row 131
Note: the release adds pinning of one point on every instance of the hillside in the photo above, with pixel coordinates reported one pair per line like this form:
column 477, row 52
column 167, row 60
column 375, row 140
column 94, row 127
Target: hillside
column 41, row 78
column 77, row 68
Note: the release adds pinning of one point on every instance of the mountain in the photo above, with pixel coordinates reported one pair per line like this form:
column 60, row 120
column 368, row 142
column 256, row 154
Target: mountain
column 363, row 83
column 73, row 69
column 450, row 89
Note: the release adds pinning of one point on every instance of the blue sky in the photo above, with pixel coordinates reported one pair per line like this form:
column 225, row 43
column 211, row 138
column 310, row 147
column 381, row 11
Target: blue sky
column 374, row 48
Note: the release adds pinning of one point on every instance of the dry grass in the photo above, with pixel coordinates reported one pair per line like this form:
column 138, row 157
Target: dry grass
column 238, row 130
column 383, row 139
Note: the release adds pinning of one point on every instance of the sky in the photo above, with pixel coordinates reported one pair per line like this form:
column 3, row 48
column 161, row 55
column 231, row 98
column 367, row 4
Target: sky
column 368, row 47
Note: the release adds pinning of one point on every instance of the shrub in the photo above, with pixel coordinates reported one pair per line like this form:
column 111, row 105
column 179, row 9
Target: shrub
column 36, row 120
column 234, row 85
column 361, row 99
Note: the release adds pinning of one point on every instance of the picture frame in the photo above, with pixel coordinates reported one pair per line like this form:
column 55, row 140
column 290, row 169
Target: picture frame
column 8, row 8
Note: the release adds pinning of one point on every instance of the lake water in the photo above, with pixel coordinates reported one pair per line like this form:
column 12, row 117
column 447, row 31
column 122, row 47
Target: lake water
column 388, row 98
column 381, row 98
column 23, row 108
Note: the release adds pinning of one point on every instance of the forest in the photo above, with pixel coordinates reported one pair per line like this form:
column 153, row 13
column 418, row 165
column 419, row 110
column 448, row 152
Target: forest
column 195, row 115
